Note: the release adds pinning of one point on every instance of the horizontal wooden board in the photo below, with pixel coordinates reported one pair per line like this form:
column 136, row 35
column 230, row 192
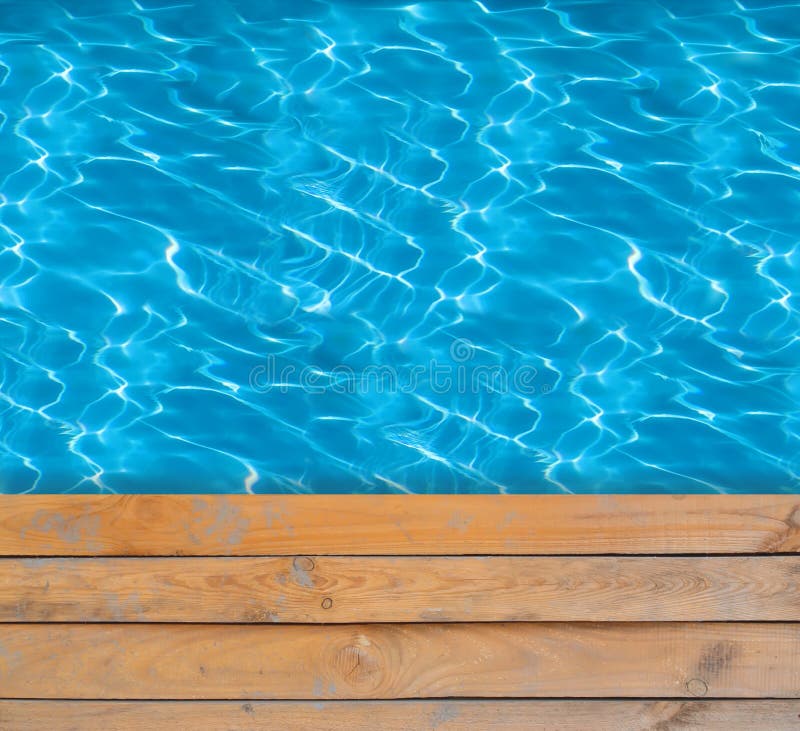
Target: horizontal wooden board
column 407, row 589
column 168, row 525
column 319, row 662
column 474, row 715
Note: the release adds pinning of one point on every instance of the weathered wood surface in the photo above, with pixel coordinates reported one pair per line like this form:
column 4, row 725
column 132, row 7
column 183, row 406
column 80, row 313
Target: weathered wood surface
column 307, row 589
column 364, row 600
column 159, row 525
column 474, row 715
column 525, row 660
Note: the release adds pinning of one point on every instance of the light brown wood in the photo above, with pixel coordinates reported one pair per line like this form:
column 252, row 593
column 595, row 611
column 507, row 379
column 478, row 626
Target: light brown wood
column 449, row 622
column 166, row 525
column 399, row 661
column 407, row 589
column 773, row 715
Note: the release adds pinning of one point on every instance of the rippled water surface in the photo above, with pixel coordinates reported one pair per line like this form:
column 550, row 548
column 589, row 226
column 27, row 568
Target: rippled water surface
column 313, row 246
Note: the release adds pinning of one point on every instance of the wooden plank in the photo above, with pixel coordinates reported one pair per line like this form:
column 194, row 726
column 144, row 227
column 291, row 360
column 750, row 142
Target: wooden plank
column 407, row 589
column 167, row 525
column 773, row 715
column 306, row 662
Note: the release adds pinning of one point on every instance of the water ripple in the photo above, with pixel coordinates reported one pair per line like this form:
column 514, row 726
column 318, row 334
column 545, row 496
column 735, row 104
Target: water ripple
column 214, row 216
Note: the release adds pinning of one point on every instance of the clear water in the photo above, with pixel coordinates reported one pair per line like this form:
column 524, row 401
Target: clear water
column 446, row 246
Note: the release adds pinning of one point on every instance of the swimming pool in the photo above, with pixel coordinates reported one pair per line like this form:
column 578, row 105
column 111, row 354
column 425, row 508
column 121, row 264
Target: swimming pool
column 437, row 247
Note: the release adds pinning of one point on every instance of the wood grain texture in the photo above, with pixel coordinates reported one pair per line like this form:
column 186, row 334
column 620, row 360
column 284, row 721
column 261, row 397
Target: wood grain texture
column 408, row 589
column 474, row 715
column 167, row 525
column 317, row 662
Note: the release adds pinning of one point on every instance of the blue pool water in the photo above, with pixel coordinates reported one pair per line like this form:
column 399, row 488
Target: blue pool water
column 310, row 246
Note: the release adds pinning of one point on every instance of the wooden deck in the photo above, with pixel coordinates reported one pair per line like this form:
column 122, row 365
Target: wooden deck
column 399, row 612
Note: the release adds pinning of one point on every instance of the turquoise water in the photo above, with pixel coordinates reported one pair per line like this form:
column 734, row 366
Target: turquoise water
column 311, row 246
